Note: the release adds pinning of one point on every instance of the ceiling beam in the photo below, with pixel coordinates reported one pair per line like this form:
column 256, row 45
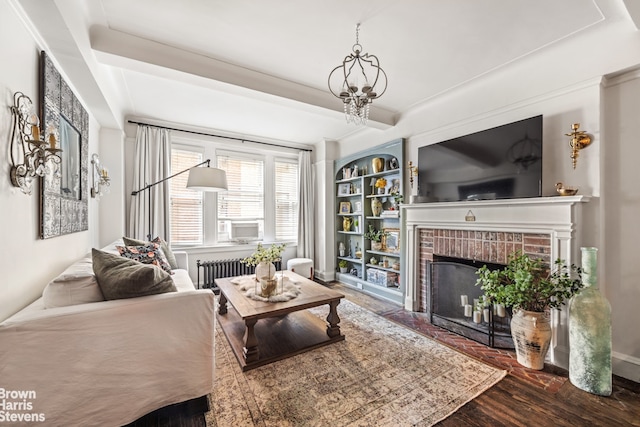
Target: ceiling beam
column 123, row 50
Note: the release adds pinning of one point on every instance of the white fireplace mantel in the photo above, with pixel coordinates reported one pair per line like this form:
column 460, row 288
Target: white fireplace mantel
column 556, row 216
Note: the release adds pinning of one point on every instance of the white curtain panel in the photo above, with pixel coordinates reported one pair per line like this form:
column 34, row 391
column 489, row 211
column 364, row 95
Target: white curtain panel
column 306, row 221
column 152, row 163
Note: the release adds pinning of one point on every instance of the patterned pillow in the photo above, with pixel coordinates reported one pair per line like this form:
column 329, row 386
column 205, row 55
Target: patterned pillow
column 164, row 245
column 151, row 253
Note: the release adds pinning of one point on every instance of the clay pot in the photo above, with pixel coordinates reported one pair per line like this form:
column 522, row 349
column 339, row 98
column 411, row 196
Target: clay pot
column 531, row 332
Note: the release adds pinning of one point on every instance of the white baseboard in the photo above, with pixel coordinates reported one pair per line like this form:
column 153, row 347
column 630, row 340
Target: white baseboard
column 626, row 366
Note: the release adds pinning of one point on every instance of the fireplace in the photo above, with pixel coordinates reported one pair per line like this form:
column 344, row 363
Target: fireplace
column 486, row 231
column 455, row 296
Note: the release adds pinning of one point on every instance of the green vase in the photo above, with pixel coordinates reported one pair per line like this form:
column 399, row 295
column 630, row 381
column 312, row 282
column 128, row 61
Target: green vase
column 590, row 332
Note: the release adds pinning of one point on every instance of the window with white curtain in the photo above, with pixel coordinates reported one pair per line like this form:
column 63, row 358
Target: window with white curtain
column 186, row 205
column 263, row 188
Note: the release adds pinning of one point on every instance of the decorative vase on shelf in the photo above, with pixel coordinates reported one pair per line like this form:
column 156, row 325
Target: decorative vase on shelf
column 376, row 206
column 377, row 164
column 346, row 223
column 590, row 332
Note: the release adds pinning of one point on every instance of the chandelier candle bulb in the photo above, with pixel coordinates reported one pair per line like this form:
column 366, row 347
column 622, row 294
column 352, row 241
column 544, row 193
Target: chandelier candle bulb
column 35, row 132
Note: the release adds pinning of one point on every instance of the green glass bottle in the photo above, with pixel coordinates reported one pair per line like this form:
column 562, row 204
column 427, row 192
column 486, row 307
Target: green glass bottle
column 590, row 332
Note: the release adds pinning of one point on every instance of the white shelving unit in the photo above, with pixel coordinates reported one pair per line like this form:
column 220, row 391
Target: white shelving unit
column 354, row 194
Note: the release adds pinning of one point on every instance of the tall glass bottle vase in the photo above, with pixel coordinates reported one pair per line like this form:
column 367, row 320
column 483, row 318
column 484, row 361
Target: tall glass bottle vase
column 590, row 332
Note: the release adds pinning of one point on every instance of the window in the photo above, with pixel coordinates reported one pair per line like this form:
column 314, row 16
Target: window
column 186, row 205
column 244, row 199
column 263, row 189
column 286, row 190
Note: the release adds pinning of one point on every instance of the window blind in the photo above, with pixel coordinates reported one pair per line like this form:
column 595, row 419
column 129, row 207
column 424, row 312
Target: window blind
column 286, row 196
column 186, row 205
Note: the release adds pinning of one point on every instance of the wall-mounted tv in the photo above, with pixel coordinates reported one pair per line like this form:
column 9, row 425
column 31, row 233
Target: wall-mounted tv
column 504, row 162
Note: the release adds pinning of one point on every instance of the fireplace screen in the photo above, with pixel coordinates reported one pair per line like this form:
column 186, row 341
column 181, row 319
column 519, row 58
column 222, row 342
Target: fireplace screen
column 456, row 303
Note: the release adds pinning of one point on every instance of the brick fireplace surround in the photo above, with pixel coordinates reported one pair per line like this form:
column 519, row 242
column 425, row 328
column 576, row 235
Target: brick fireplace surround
column 476, row 245
column 488, row 230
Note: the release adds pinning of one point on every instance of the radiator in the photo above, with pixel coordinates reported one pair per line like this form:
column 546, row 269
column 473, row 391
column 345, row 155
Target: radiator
column 212, row 270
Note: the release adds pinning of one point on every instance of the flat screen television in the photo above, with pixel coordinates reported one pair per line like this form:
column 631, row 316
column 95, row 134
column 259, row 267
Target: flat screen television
column 504, row 162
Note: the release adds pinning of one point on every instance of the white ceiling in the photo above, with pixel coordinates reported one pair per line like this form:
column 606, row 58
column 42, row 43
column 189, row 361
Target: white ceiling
column 260, row 68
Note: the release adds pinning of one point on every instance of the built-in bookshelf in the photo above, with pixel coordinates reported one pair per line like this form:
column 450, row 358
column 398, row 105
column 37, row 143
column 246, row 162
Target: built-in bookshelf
column 361, row 204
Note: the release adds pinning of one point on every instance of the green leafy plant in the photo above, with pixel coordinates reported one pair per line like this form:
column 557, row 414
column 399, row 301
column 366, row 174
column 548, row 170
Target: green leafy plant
column 528, row 284
column 342, row 263
column 375, row 235
column 262, row 254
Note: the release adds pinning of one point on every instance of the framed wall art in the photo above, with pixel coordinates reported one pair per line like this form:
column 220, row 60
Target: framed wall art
column 64, row 189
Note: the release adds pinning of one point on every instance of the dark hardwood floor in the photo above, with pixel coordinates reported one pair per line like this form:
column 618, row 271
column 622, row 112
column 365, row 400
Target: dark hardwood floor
column 511, row 402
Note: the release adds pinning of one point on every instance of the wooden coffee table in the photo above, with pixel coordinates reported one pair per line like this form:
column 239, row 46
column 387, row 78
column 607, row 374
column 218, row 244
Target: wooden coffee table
column 285, row 328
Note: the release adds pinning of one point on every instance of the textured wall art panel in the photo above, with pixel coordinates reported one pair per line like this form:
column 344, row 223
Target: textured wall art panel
column 61, row 213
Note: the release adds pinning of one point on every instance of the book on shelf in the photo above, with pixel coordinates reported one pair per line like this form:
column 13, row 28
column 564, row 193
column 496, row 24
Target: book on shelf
column 390, row 214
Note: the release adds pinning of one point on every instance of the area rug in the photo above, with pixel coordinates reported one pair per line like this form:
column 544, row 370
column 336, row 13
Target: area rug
column 383, row 374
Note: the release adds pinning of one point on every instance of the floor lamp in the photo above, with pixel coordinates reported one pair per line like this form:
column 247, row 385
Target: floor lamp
column 202, row 179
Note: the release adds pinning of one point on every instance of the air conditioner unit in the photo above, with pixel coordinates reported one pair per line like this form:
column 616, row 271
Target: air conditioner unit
column 244, row 231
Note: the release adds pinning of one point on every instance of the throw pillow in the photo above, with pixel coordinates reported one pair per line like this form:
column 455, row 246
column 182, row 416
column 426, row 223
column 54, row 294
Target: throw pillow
column 120, row 277
column 75, row 285
column 151, row 253
column 164, row 245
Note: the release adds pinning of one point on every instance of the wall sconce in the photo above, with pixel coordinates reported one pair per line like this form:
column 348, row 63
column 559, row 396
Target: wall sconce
column 29, row 153
column 99, row 176
column 579, row 140
column 413, row 172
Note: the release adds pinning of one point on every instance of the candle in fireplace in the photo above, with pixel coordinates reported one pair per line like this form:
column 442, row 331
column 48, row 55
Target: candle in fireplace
column 464, row 300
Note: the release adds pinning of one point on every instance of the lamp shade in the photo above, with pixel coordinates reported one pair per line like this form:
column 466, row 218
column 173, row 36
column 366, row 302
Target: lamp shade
column 207, row 179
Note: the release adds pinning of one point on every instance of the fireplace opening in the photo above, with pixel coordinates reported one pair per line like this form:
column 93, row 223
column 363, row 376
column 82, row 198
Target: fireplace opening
column 454, row 298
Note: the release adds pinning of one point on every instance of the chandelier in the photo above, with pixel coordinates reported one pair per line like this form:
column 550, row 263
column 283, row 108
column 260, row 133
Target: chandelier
column 355, row 81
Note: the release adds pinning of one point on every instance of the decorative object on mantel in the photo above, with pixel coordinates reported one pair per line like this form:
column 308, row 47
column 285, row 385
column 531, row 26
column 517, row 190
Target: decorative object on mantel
column 530, row 288
column 99, row 177
column 590, row 332
column 579, row 140
column 357, row 68
column 29, row 154
column 565, row 191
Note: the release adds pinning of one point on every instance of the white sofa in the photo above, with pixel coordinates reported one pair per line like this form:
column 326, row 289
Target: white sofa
column 106, row 363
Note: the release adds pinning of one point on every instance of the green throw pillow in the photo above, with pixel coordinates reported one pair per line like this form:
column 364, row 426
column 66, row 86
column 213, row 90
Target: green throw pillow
column 120, row 277
column 164, row 245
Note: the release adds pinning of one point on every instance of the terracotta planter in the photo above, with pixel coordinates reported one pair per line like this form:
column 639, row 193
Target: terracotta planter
column 531, row 332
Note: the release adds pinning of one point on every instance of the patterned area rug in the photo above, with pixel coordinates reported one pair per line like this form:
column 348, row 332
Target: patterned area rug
column 383, row 374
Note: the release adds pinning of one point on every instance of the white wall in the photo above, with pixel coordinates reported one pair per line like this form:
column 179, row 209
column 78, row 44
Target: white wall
column 27, row 263
column 620, row 278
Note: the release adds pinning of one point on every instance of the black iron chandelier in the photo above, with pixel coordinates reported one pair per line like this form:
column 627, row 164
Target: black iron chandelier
column 357, row 82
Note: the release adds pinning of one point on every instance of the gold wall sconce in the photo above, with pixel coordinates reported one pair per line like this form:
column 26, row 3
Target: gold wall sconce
column 579, row 140
column 99, row 177
column 29, row 153
column 413, row 172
